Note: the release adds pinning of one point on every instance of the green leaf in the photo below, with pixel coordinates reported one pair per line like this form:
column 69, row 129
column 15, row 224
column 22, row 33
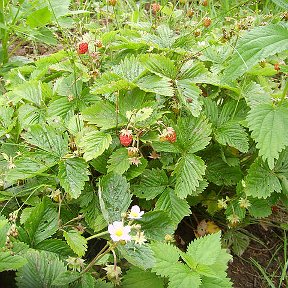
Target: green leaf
column 59, row 8
column 42, row 222
column 39, row 17
column 156, row 224
column 40, row 270
column 260, row 181
column 205, row 250
column 48, row 139
column 8, row 261
column 94, row 143
column 192, row 134
column 254, row 46
column 183, row 277
column 136, row 277
column 166, row 256
column 66, row 278
column 254, row 94
column 152, row 183
column 140, row 256
column 103, row 114
column 4, row 228
column 281, row 3
column 30, row 165
column 56, row 246
column 176, row 208
column 237, row 240
column 6, row 121
column 221, row 173
column 189, row 171
column 134, row 171
column 114, row 196
column 109, row 83
column 60, row 107
column 232, row 134
column 189, row 96
column 77, row 242
column 119, row 161
column 30, row 91
column 191, row 70
column 268, row 124
column 156, row 84
column 259, row 208
column 159, row 65
column 90, row 207
column 129, row 68
column 208, row 282
column 73, row 173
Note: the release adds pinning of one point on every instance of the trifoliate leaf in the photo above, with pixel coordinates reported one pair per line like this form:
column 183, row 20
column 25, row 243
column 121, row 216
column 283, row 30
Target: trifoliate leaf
column 94, row 143
column 77, row 242
column 73, row 173
column 189, row 172
column 176, row 208
column 268, row 124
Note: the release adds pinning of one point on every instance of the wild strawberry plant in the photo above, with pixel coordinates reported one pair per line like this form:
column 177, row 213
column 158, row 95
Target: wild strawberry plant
column 107, row 144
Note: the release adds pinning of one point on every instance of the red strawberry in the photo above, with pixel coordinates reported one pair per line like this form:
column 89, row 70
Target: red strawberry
column 171, row 135
column 125, row 137
column 82, row 48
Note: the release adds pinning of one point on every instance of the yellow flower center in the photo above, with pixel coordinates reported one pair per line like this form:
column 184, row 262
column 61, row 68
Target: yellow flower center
column 119, row 232
column 134, row 214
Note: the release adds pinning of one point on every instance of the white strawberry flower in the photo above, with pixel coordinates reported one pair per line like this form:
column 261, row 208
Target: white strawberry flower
column 135, row 212
column 119, row 232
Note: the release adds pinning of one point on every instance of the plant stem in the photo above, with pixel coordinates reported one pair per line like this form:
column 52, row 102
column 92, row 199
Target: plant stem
column 97, row 235
column 98, row 256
